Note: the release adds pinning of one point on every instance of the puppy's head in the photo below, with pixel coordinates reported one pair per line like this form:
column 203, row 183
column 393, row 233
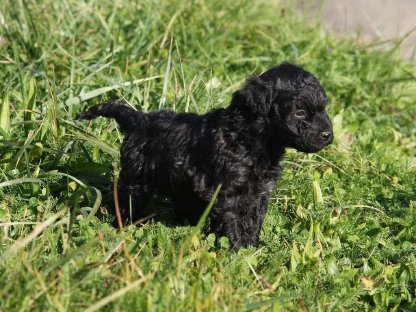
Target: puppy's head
column 293, row 102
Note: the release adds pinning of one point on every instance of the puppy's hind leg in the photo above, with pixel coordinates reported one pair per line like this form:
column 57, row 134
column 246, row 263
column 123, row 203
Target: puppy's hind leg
column 132, row 201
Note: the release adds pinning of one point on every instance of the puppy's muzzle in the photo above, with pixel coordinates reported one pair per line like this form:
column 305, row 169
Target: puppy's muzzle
column 327, row 136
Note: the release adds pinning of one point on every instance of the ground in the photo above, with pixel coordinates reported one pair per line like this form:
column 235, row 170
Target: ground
column 380, row 22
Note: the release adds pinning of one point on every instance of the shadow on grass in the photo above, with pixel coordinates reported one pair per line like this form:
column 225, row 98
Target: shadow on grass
column 397, row 200
column 158, row 209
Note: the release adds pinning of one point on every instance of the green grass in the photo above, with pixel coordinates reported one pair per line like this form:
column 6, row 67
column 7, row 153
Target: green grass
column 341, row 226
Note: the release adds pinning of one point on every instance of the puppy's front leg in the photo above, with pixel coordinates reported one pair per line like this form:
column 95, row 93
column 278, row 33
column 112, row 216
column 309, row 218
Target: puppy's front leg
column 227, row 223
column 239, row 219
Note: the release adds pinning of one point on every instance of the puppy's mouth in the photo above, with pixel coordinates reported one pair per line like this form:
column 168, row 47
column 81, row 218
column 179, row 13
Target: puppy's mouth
column 316, row 144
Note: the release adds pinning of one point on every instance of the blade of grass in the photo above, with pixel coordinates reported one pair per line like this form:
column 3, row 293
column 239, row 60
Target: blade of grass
column 317, row 193
column 97, row 142
column 162, row 100
column 20, row 181
column 97, row 203
column 30, row 103
column 94, row 93
column 31, row 236
column 5, row 114
column 117, row 294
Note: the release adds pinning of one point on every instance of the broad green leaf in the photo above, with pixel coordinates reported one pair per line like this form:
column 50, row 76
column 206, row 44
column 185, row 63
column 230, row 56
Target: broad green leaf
column 5, row 113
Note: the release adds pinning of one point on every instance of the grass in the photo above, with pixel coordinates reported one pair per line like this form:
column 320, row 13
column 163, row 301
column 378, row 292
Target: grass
column 341, row 226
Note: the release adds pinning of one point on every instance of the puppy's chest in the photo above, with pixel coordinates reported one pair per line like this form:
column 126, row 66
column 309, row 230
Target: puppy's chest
column 255, row 176
column 267, row 176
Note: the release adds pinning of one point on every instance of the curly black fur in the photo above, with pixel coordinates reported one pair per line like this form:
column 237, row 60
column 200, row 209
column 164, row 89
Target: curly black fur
column 184, row 156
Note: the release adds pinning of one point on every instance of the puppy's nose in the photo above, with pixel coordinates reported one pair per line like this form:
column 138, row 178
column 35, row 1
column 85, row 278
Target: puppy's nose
column 326, row 135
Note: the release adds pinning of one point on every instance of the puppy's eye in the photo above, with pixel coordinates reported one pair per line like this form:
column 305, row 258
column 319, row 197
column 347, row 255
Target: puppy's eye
column 300, row 113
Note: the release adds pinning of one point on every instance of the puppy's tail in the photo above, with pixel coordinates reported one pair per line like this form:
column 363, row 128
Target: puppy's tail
column 128, row 118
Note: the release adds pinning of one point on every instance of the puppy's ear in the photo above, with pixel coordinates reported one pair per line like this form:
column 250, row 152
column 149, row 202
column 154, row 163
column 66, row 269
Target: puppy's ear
column 256, row 97
column 278, row 84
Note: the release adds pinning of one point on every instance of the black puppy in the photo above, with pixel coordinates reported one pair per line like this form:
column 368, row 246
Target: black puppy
column 184, row 156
